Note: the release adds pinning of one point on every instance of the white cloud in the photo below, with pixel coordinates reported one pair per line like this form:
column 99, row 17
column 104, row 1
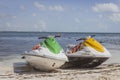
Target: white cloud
column 106, row 7
column 115, row 17
column 48, row 7
column 56, row 8
column 39, row 6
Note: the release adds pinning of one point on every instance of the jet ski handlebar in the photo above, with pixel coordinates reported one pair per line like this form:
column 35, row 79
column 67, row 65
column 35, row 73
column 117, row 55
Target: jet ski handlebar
column 85, row 38
column 44, row 37
column 81, row 39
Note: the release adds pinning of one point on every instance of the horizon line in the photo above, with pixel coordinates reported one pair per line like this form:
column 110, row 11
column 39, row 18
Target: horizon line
column 59, row 32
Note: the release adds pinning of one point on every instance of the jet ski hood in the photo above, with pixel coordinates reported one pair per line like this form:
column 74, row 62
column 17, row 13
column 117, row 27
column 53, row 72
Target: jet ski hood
column 91, row 42
column 52, row 45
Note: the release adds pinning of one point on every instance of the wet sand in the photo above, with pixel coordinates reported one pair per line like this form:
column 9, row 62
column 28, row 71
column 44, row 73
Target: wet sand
column 103, row 72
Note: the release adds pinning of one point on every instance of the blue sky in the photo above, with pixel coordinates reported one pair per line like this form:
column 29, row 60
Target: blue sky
column 60, row 15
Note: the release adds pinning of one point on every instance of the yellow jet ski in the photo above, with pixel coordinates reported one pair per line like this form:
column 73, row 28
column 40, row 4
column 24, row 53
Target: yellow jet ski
column 88, row 54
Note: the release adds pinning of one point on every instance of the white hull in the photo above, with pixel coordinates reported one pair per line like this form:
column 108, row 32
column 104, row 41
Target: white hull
column 43, row 63
column 87, row 58
column 45, row 60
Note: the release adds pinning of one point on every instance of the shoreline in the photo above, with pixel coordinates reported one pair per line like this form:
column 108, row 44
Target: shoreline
column 102, row 72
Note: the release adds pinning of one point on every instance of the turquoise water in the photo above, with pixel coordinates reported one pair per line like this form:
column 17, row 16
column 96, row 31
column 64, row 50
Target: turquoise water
column 13, row 44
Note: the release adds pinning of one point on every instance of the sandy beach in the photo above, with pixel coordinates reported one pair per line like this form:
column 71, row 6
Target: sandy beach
column 103, row 72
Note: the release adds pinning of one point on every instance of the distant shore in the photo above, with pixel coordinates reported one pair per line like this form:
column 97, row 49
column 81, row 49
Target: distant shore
column 103, row 72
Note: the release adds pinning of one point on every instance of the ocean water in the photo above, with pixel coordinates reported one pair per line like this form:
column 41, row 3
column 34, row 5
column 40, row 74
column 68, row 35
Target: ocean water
column 13, row 44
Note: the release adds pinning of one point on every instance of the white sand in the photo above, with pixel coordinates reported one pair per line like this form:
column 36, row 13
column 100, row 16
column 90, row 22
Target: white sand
column 103, row 72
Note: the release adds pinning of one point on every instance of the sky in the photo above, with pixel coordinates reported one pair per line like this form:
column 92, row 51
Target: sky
column 60, row 15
